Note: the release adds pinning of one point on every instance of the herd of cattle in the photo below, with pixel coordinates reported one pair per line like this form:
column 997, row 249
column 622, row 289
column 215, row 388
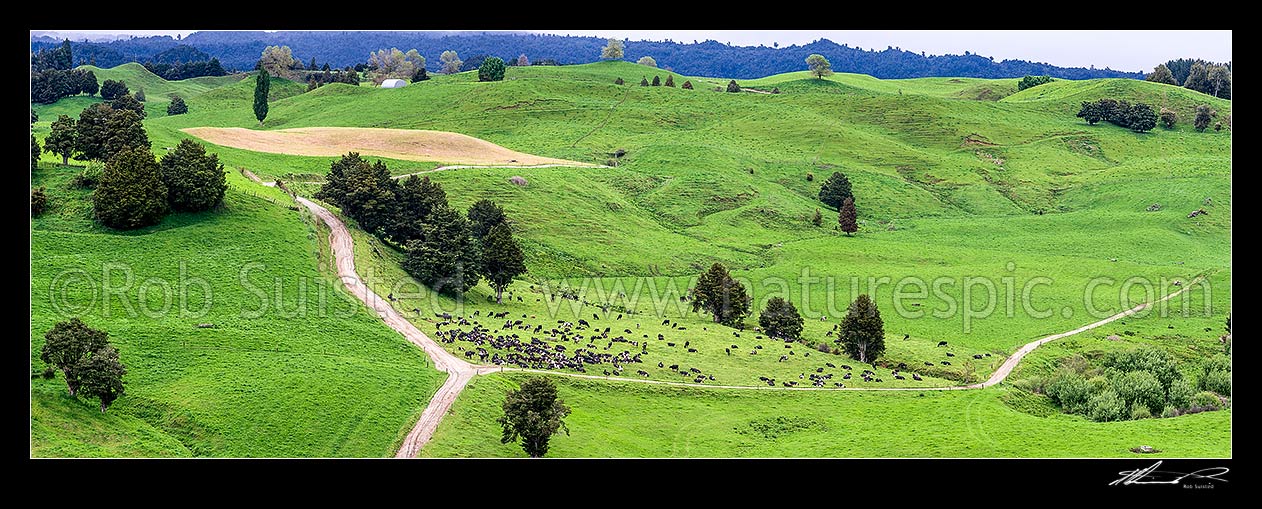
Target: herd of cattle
column 581, row 347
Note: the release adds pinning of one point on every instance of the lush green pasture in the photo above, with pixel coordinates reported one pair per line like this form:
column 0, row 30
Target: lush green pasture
column 961, row 179
column 298, row 379
column 625, row 420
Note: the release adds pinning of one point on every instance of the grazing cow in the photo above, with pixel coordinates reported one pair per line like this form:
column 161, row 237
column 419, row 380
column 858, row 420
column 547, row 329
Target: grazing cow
column 949, row 354
column 845, row 367
column 946, row 363
column 988, row 355
column 839, row 385
column 906, row 337
column 927, row 363
column 879, row 380
column 829, row 364
column 942, row 343
column 694, row 370
column 783, row 358
column 687, row 343
column 666, row 322
column 660, row 365
column 847, row 377
column 734, row 347
column 674, row 367
column 619, row 316
column 977, row 356
column 670, row 344
column 642, row 373
column 819, row 370
column 899, row 377
column 606, row 372
column 660, row 337
column 737, row 334
column 902, row 365
column 915, row 377
column 728, row 350
column 788, row 346
column 801, row 376
column 758, row 347
column 628, row 331
column 692, row 350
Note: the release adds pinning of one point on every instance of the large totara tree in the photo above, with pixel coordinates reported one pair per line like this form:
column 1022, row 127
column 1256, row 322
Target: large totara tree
column 195, row 180
column 835, row 190
column 725, row 298
column 111, row 90
column 61, row 140
column 780, row 319
column 446, row 258
column 502, row 259
column 862, row 333
column 101, row 375
column 66, row 345
column 612, row 50
column 128, row 102
column 848, row 219
column 103, row 131
column 492, row 69
column 131, row 193
column 262, row 86
column 819, row 66
column 533, row 413
column 177, row 106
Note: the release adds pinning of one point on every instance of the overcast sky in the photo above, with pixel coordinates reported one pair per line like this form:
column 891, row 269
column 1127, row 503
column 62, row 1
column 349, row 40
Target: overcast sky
column 1137, row 50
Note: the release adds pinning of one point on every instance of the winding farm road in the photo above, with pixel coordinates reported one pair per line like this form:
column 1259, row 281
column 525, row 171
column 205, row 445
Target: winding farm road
column 460, row 372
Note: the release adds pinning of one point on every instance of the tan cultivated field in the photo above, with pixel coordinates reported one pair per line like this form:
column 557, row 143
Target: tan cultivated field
column 406, row 144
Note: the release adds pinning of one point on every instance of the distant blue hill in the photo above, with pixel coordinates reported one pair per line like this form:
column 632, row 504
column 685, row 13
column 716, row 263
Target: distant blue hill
column 240, row 50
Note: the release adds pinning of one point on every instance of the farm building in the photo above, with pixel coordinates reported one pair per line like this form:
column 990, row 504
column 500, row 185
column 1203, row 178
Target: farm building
column 392, row 83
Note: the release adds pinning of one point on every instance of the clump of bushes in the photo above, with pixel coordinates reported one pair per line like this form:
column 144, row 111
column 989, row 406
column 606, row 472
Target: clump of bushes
column 1136, row 384
column 1033, row 81
column 89, row 176
column 39, row 201
column 1138, row 117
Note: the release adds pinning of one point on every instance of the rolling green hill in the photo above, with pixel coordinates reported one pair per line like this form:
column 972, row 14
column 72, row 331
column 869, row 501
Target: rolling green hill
column 954, row 178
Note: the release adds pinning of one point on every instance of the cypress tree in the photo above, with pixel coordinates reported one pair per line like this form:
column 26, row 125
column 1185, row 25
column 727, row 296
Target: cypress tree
column 847, row 219
column 262, row 86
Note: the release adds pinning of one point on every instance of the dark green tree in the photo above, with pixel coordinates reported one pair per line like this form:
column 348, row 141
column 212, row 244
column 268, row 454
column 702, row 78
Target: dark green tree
column 87, row 83
column 502, row 259
column 817, row 219
column 835, row 190
column 62, row 58
column 848, row 219
column 644, row 82
column 369, row 198
column 128, row 102
column 1032, row 81
column 140, row 94
column 670, row 81
column 34, row 154
column 334, row 188
column 492, row 69
column 177, row 106
column 862, row 333
column 780, row 319
column 131, row 193
column 34, row 116
column 262, row 86
column 733, row 87
column 415, row 198
column 111, row 90
column 533, row 413
column 1142, row 118
column 687, row 85
column 101, row 375
column 195, row 180
column 446, row 258
column 657, row 81
column 61, row 140
column 67, row 344
column 1161, row 74
column 721, row 295
column 616, row 81
column 485, row 214
column 102, row 131
column 421, row 74
column 1091, row 112
column 1168, row 117
column 1204, row 115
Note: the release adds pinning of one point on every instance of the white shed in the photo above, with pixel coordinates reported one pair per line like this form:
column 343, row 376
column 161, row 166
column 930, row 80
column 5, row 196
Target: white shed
column 392, row 83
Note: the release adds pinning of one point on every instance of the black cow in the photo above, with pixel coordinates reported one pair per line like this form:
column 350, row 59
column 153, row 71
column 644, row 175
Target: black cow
column 949, row 354
column 942, row 343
